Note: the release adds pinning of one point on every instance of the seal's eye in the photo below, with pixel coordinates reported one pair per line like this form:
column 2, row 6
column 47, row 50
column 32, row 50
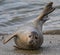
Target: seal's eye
column 29, row 35
column 36, row 37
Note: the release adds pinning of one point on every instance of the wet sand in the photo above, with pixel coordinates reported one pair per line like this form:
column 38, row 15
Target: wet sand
column 51, row 46
column 52, row 32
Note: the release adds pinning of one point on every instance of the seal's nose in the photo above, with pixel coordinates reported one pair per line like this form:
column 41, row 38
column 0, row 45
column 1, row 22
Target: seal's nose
column 31, row 42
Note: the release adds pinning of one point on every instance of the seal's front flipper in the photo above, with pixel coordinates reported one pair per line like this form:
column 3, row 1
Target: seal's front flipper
column 8, row 38
column 48, row 9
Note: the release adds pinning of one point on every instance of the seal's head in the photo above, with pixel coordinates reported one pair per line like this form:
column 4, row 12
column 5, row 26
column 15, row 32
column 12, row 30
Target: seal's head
column 32, row 39
column 35, row 40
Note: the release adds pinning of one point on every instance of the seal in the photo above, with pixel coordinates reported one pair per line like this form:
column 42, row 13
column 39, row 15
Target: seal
column 30, row 35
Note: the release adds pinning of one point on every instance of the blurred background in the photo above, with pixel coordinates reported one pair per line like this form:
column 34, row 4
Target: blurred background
column 13, row 13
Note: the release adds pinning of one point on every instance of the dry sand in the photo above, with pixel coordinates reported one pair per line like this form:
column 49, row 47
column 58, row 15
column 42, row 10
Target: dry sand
column 51, row 46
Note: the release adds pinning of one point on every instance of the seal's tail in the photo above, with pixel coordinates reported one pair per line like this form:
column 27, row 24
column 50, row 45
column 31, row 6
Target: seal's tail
column 48, row 9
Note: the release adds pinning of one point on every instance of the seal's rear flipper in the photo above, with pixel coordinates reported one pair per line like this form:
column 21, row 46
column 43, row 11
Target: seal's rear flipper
column 8, row 38
column 48, row 9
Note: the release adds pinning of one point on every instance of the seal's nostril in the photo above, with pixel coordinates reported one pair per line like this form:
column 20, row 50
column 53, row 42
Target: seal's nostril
column 31, row 41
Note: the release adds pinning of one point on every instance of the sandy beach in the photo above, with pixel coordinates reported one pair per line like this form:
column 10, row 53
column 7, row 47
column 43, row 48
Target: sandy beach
column 51, row 46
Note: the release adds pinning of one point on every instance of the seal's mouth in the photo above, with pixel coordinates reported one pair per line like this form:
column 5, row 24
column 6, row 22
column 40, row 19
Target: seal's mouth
column 32, row 46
